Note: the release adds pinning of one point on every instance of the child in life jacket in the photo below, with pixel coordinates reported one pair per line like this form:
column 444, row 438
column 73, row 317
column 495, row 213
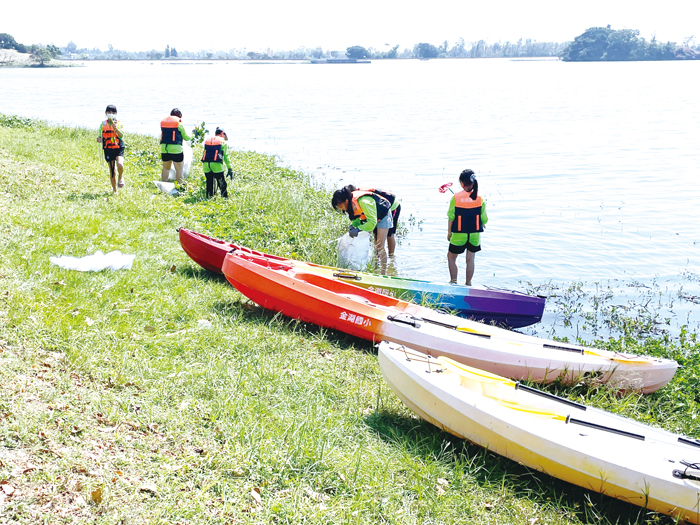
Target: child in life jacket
column 111, row 136
column 370, row 210
column 215, row 154
column 172, row 133
column 466, row 218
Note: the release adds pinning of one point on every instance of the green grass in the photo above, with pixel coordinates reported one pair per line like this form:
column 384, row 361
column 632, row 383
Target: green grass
column 161, row 395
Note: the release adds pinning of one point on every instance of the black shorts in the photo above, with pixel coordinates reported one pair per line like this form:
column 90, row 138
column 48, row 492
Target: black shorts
column 112, row 154
column 395, row 216
column 461, row 249
column 175, row 157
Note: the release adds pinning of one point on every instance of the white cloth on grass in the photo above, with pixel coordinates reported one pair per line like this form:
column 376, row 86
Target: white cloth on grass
column 166, row 187
column 115, row 260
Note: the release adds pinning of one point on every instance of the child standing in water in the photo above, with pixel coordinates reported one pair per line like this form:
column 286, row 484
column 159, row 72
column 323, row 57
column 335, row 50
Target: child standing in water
column 113, row 146
column 466, row 218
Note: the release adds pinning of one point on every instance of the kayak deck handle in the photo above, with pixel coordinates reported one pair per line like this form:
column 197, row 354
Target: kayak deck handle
column 588, row 424
column 409, row 320
column 347, row 276
column 566, row 348
column 688, row 441
column 520, row 386
column 456, row 327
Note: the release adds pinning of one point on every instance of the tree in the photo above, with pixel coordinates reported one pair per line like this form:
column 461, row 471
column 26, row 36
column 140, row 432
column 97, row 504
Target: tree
column 55, row 51
column 167, row 51
column 7, row 41
column 424, row 50
column 588, row 46
column 356, row 52
column 623, row 44
column 458, row 49
column 71, row 47
column 42, row 55
column 155, row 55
column 173, row 52
column 392, row 52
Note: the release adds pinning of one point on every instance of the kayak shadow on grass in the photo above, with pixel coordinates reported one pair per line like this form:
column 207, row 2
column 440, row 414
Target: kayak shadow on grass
column 426, row 443
column 194, row 271
column 248, row 311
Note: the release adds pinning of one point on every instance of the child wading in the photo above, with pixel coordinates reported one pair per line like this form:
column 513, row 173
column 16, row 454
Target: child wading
column 466, row 218
column 216, row 151
column 371, row 210
column 113, row 146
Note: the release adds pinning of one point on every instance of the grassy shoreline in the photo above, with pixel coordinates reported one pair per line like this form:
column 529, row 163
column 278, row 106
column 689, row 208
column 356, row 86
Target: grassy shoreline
column 160, row 395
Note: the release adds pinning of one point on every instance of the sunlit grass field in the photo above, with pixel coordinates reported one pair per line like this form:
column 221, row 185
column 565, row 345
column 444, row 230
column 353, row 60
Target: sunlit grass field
column 161, row 395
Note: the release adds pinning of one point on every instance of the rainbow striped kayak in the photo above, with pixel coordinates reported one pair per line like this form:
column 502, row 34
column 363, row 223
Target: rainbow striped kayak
column 502, row 307
column 588, row 447
column 299, row 293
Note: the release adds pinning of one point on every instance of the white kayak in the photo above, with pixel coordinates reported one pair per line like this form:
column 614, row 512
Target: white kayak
column 588, row 447
column 282, row 286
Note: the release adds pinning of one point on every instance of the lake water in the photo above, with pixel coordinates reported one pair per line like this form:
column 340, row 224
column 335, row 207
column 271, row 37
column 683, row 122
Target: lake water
column 590, row 170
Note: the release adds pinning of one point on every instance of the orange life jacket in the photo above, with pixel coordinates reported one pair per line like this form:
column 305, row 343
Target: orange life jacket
column 355, row 211
column 467, row 213
column 110, row 140
column 169, row 130
column 384, row 193
column 212, row 149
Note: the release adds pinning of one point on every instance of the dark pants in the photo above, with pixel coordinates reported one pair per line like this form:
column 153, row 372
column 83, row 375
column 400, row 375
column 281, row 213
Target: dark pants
column 216, row 179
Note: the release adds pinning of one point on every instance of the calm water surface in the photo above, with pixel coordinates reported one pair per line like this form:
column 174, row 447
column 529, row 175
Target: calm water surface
column 590, row 170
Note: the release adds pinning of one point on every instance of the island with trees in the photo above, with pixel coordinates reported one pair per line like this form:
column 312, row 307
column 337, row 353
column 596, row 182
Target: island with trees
column 603, row 44
column 36, row 55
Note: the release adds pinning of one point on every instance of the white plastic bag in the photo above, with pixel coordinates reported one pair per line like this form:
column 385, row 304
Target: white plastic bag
column 353, row 252
column 186, row 163
column 166, row 187
column 115, row 260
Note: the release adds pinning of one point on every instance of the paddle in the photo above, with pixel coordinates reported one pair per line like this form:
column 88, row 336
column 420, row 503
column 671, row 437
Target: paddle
column 445, row 187
column 482, row 376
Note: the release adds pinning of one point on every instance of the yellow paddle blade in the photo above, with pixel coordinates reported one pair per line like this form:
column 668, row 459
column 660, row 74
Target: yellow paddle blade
column 531, row 410
column 495, row 387
column 470, row 330
column 474, row 373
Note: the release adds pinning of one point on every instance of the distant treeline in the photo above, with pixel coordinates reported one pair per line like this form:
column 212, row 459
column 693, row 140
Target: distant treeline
column 605, row 44
column 460, row 49
column 595, row 44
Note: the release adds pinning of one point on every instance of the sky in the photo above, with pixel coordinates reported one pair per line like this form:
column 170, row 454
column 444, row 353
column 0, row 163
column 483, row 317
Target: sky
column 135, row 25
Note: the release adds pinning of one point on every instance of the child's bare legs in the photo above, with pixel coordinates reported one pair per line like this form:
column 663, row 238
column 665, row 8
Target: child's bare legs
column 379, row 242
column 120, row 170
column 470, row 267
column 179, row 167
column 112, row 175
column 391, row 244
column 452, row 265
column 166, row 170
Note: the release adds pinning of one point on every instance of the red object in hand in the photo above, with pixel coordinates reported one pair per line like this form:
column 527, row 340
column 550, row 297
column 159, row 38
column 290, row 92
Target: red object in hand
column 445, row 187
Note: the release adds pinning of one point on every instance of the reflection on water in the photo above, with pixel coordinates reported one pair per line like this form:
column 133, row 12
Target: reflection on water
column 589, row 170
